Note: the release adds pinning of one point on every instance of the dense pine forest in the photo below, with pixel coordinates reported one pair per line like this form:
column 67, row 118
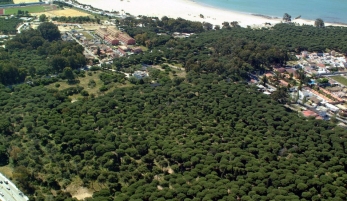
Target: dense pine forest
column 205, row 136
column 201, row 139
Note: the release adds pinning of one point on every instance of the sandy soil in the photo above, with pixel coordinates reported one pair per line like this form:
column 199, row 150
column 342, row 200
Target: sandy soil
column 186, row 9
column 82, row 193
column 24, row 1
column 66, row 12
column 77, row 191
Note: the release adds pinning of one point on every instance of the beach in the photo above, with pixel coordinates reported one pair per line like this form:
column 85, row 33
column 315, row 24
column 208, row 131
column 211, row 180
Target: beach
column 188, row 9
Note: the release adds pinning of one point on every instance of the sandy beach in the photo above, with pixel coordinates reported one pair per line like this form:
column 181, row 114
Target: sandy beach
column 186, row 9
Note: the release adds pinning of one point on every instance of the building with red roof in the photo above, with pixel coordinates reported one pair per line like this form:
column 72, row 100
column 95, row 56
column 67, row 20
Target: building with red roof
column 112, row 40
column 126, row 39
column 309, row 113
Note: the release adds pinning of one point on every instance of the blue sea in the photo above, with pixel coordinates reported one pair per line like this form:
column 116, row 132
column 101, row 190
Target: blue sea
column 328, row 10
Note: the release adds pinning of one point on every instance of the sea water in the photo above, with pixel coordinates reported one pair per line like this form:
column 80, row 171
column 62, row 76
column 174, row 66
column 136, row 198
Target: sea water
column 328, row 10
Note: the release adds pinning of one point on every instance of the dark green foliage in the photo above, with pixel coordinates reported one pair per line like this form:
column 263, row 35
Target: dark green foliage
column 80, row 19
column 29, row 53
column 210, row 140
column 108, row 78
column 3, row 155
column 8, row 26
column 234, row 52
column 319, row 23
column 6, row 2
column 49, row 31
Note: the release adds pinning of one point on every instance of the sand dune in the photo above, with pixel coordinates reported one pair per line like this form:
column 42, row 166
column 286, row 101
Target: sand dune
column 186, row 9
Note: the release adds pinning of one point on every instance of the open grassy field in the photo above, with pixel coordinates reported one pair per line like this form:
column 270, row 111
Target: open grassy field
column 87, row 35
column 340, row 79
column 30, row 9
column 25, row 1
column 83, row 82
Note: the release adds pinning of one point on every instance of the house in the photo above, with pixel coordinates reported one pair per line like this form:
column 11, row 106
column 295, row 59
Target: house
column 342, row 110
column 292, row 71
column 284, row 83
column 126, row 39
column 314, row 100
column 113, row 31
column 321, row 65
column 280, row 70
column 112, row 40
column 121, row 51
column 309, row 113
column 140, row 74
column 101, row 32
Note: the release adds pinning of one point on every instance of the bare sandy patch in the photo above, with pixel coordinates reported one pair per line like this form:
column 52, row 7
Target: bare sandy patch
column 68, row 12
column 82, row 193
column 77, row 191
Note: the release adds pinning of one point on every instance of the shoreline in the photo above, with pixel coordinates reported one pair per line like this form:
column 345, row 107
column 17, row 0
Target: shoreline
column 191, row 10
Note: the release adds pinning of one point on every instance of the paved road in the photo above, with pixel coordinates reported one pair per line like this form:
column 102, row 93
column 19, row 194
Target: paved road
column 89, row 52
column 10, row 191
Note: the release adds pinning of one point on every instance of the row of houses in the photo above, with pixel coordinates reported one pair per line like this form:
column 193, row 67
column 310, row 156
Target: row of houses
column 114, row 36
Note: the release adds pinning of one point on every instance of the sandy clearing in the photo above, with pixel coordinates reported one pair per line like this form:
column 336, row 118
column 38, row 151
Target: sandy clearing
column 68, row 12
column 82, row 193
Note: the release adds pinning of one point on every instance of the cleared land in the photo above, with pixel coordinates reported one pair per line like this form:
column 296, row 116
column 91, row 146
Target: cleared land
column 340, row 79
column 25, row 1
column 30, row 9
column 68, row 12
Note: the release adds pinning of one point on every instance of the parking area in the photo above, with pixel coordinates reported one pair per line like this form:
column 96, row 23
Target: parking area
column 9, row 192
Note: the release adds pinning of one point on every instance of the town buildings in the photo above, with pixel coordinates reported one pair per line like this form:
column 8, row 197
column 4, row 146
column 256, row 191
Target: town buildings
column 114, row 36
column 126, row 39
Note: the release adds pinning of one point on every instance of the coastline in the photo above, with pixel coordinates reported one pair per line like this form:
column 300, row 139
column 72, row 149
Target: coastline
column 190, row 10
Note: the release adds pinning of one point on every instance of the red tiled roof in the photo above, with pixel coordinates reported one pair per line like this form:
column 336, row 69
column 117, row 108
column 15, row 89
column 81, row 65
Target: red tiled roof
column 281, row 70
column 321, row 65
column 290, row 70
column 284, row 83
column 309, row 113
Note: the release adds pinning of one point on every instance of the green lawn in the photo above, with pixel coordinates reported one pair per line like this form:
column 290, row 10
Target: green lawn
column 340, row 79
column 30, row 9
column 87, row 35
